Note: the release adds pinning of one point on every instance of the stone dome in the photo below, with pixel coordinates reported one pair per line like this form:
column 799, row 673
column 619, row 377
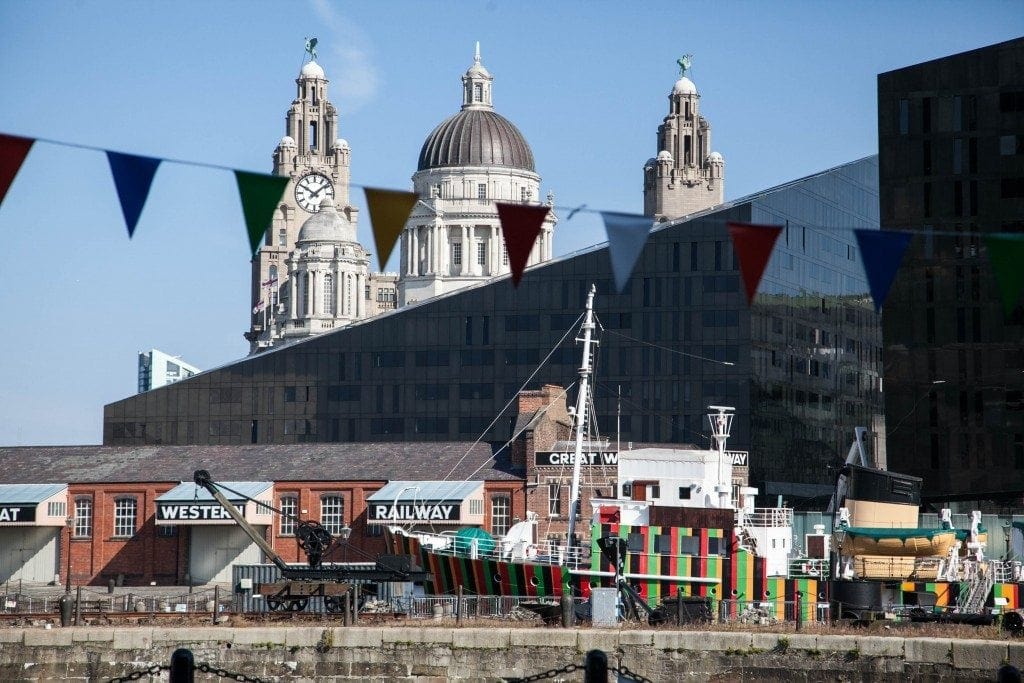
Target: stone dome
column 476, row 137
column 664, row 155
column 287, row 141
column 340, row 143
column 312, row 70
column 327, row 225
column 684, row 86
column 715, row 157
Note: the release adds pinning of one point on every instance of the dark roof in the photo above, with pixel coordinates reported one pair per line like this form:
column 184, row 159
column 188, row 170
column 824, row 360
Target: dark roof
column 476, row 137
column 375, row 461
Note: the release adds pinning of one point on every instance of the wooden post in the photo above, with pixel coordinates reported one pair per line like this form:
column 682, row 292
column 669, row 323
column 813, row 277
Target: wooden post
column 346, row 609
column 458, row 606
column 679, row 609
column 78, row 604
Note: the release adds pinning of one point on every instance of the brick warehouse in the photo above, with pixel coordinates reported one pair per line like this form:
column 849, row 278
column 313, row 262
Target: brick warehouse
column 112, row 495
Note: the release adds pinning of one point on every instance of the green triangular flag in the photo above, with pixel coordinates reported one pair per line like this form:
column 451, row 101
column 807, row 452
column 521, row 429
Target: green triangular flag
column 1006, row 252
column 260, row 194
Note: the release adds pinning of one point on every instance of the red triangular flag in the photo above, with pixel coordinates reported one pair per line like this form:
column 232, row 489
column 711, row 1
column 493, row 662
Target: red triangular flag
column 753, row 245
column 13, row 151
column 520, row 225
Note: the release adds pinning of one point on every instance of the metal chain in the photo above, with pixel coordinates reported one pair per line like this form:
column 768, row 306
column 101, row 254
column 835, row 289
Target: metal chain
column 568, row 669
column 624, row 672
column 136, row 675
column 207, row 669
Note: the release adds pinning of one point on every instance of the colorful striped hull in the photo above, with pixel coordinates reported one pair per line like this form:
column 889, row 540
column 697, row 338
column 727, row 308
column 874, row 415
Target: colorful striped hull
column 947, row 592
column 484, row 576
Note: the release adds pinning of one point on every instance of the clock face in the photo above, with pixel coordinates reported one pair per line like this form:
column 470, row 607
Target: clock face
column 311, row 190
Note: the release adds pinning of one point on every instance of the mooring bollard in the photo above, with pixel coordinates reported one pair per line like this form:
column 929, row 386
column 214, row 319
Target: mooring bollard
column 595, row 667
column 183, row 666
column 568, row 611
column 66, row 606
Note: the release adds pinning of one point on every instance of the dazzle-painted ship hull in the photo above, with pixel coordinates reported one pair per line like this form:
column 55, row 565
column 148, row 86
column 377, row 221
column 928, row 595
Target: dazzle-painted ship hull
column 732, row 574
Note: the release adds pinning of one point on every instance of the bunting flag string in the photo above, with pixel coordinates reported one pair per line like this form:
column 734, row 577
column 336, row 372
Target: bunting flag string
column 389, row 210
column 881, row 252
column 1006, row 252
column 520, row 225
column 627, row 235
column 259, row 194
column 133, row 177
column 13, row 151
column 753, row 245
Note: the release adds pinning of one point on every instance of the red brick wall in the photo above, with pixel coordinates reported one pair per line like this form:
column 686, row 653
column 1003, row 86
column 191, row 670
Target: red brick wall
column 147, row 557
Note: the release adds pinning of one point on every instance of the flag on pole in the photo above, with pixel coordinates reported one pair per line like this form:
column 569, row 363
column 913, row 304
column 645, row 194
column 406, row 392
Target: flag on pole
column 259, row 307
column 271, row 282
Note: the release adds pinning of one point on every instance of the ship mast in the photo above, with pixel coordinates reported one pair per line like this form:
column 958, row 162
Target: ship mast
column 580, row 417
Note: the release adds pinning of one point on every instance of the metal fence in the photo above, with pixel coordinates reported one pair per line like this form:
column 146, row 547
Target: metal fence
column 767, row 612
column 88, row 601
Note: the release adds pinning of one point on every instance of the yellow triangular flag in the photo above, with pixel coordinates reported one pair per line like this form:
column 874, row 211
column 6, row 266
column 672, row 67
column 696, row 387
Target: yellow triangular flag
column 389, row 210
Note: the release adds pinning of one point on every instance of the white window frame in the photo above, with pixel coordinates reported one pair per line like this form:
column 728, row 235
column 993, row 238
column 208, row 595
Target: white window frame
column 501, row 513
column 554, row 499
column 289, row 506
column 481, row 253
column 83, row 518
column 457, row 253
column 332, row 512
column 126, row 515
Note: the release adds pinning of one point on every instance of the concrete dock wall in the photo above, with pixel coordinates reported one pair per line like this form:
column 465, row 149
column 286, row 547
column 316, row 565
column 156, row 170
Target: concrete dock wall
column 309, row 653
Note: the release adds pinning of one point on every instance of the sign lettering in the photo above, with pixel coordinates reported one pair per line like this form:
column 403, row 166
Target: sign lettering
column 739, row 458
column 555, row 458
column 415, row 512
column 191, row 512
column 17, row 513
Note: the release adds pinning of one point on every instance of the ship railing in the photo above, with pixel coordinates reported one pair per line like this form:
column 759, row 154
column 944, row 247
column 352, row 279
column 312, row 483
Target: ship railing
column 809, row 567
column 1006, row 571
column 765, row 517
column 545, row 552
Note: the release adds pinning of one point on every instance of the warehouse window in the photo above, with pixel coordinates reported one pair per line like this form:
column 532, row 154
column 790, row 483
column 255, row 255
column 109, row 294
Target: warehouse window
column 501, row 514
column 83, row 517
column 332, row 513
column 124, row 517
column 289, row 506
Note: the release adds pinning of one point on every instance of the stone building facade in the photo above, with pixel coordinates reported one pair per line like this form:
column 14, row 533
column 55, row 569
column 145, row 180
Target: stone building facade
column 686, row 176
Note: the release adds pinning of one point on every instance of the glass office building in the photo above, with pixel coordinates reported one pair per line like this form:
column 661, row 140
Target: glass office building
column 801, row 366
column 951, row 141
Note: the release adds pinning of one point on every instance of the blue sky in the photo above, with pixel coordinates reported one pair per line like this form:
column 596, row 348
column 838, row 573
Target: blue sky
column 789, row 89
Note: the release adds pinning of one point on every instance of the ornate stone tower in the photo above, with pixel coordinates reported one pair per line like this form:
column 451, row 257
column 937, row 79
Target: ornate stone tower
column 472, row 159
column 686, row 176
column 317, row 163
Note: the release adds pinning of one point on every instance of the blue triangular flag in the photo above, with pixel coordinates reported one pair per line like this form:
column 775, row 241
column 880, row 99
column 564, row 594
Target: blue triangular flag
column 133, row 176
column 881, row 252
column 627, row 235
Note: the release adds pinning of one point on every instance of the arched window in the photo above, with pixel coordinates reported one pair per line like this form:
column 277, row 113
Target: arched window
column 329, row 294
column 478, row 92
column 332, row 513
column 282, row 237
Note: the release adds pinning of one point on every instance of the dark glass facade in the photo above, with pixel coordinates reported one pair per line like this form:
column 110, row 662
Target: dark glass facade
column 951, row 141
column 800, row 367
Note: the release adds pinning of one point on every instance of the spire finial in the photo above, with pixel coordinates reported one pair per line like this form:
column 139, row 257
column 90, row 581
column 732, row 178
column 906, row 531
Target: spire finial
column 476, row 56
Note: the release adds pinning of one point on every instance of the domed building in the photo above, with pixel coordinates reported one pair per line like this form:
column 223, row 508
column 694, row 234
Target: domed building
column 470, row 161
column 685, row 176
column 328, row 271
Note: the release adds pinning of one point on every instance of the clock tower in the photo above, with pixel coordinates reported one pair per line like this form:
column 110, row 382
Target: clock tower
column 316, row 161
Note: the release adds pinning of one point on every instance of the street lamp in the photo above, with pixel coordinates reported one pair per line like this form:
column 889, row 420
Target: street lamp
column 1006, row 536
column 70, row 522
